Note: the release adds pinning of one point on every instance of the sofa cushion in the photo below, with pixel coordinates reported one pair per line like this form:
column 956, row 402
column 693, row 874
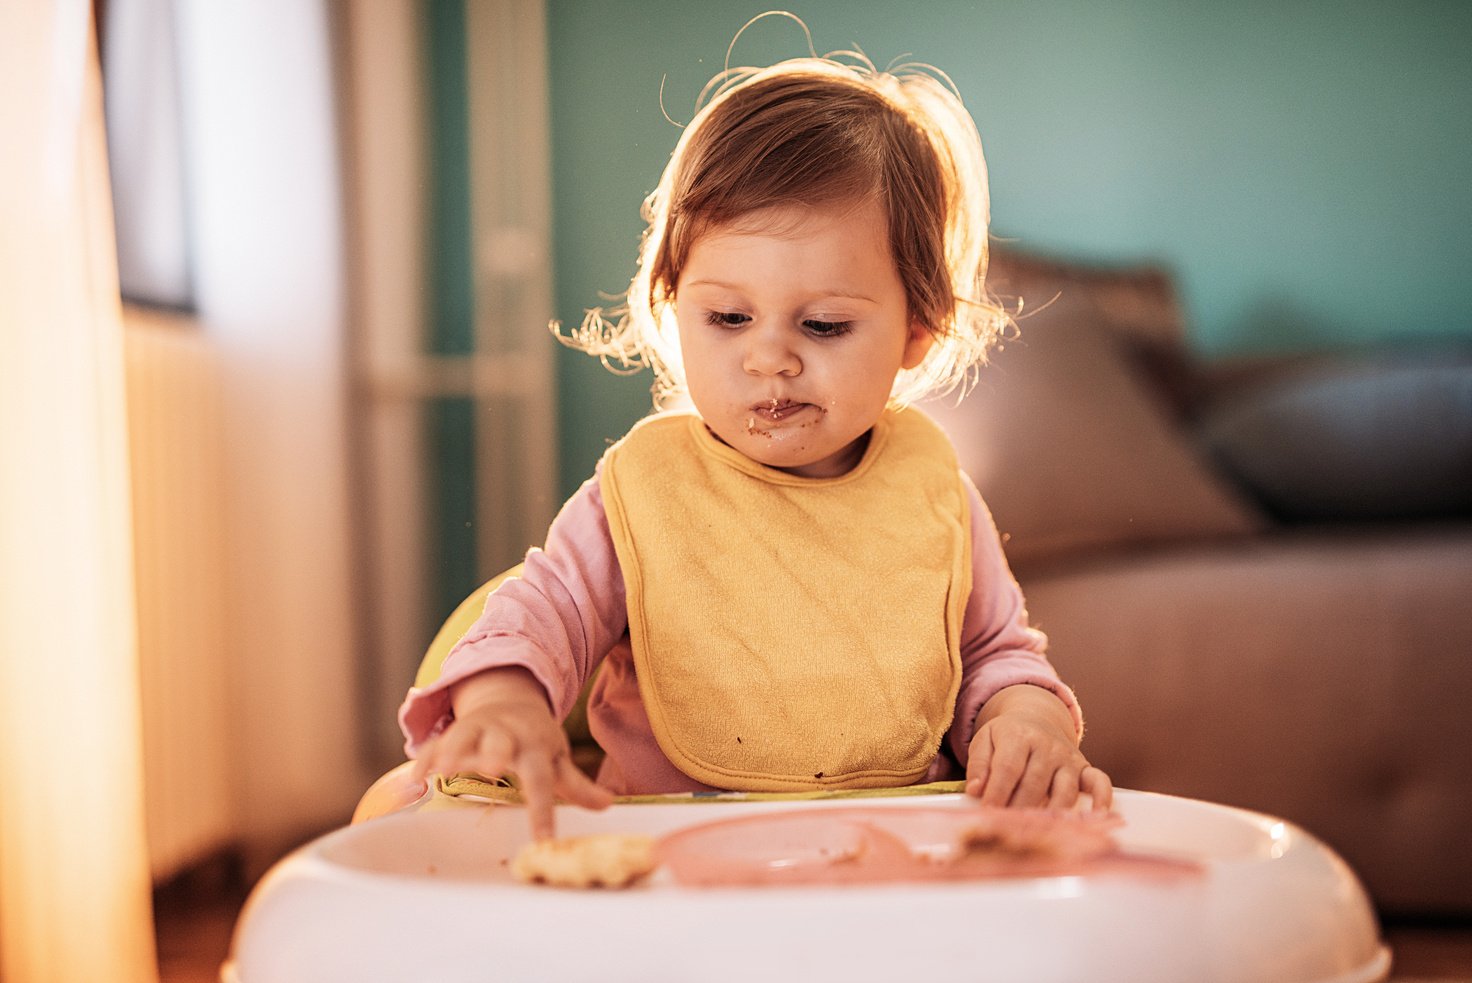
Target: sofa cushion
column 1318, row 674
column 1377, row 439
column 1072, row 451
column 1136, row 303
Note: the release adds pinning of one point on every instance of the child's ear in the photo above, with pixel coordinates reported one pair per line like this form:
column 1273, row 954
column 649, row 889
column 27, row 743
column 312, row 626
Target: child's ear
column 917, row 345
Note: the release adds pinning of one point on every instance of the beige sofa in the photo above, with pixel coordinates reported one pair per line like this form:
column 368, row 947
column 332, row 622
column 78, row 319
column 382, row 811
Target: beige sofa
column 1318, row 669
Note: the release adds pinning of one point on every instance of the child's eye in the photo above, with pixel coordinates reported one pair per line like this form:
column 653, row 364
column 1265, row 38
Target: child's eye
column 726, row 319
column 828, row 329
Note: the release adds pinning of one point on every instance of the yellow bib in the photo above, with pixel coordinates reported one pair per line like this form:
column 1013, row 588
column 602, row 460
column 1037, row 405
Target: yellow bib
column 793, row 633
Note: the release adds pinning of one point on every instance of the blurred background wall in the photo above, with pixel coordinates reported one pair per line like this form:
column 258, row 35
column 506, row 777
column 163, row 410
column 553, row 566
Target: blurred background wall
column 1300, row 166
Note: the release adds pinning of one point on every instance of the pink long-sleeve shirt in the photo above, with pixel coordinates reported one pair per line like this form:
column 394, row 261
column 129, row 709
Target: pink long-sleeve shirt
column 566, row 615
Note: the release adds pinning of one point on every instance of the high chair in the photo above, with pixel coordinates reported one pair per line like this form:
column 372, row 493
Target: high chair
column 418, row 888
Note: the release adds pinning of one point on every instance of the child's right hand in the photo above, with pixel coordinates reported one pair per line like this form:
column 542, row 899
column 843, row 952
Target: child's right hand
column 503, row 726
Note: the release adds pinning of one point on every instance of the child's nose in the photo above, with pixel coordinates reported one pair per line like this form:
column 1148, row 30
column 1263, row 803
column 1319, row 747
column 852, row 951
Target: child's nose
column 769, row 351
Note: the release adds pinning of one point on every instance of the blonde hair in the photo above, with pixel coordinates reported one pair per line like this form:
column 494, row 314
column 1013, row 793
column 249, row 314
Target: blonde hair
column 819, row 131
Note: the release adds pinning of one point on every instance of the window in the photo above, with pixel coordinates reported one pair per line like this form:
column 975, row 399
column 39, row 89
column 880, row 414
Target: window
column 140, row 79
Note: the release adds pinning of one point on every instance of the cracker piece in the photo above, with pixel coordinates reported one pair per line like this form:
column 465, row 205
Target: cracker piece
column 611, row 860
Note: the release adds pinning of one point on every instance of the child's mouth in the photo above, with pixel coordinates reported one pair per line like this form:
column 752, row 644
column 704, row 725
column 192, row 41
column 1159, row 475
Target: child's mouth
column 776, row 410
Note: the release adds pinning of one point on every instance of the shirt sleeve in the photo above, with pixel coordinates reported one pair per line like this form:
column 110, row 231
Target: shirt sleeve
column 557, row 620
column 998, row 646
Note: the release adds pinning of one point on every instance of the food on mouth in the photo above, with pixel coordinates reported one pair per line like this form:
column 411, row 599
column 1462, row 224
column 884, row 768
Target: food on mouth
column 776, row 410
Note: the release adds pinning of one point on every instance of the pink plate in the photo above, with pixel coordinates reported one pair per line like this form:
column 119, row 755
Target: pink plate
column 878, row 845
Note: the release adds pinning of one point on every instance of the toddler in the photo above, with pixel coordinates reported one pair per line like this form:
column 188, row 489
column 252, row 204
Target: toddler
column 792, row 586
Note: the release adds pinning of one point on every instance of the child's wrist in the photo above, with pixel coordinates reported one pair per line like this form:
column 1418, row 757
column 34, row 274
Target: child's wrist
column 1030, row 700
column 498, row 685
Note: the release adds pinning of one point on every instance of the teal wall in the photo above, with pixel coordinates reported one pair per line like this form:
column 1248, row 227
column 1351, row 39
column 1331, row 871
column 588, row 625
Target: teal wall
column 1302, row 166
column 449, row 422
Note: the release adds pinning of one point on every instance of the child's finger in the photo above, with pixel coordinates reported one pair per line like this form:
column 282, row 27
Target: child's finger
column 978, row 764
column 578, row 788
column 1005, row 771
column 423, row 760
column 1064, row 793
column 493, row 754
column 1032, row 787
column 534, row 776
column 446, row 751
column 1096, row 785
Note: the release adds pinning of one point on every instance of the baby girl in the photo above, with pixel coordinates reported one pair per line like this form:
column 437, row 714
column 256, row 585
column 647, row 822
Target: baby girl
column 788, row 584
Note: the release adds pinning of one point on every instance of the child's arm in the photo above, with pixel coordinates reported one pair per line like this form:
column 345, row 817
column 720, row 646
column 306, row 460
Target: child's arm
column 1017, row 726
column 503, row 724
column 1025, row 753
column 521, row 666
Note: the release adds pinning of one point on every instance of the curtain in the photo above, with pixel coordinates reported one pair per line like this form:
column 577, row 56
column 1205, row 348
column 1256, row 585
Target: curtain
column 259, row 123
column 74, row 882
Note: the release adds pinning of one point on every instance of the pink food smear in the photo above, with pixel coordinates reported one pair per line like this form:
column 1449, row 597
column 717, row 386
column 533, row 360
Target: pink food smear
column 906, row 845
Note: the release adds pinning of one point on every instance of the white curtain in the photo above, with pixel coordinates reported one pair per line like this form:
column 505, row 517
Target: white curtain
column 260, row 126
column 74, row 882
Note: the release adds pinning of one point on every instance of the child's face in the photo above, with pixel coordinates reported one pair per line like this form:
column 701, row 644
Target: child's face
column 793, row 325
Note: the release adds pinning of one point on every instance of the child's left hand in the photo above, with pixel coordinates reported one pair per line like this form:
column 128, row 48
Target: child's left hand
column 1025, row 753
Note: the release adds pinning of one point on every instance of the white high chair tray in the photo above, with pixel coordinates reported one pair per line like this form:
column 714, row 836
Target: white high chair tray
column 425, row 894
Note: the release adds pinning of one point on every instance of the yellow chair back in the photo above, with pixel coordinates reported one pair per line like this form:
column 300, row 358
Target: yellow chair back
column 455, row 627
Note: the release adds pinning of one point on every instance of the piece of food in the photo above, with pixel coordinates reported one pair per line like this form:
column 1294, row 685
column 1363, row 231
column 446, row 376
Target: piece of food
column 1036, row 834
column 602, row 860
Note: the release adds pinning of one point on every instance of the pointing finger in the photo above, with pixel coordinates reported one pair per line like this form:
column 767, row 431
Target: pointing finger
column 534, row 772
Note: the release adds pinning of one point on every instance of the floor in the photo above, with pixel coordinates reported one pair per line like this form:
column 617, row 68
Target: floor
column 196, row 913
column 1429, row 952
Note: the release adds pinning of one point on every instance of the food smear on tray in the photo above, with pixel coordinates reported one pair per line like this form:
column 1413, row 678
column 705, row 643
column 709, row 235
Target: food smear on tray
column 890, row 845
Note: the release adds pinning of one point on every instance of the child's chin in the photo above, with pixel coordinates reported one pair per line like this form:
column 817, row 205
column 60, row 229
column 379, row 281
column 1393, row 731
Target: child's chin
column 786, row 448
